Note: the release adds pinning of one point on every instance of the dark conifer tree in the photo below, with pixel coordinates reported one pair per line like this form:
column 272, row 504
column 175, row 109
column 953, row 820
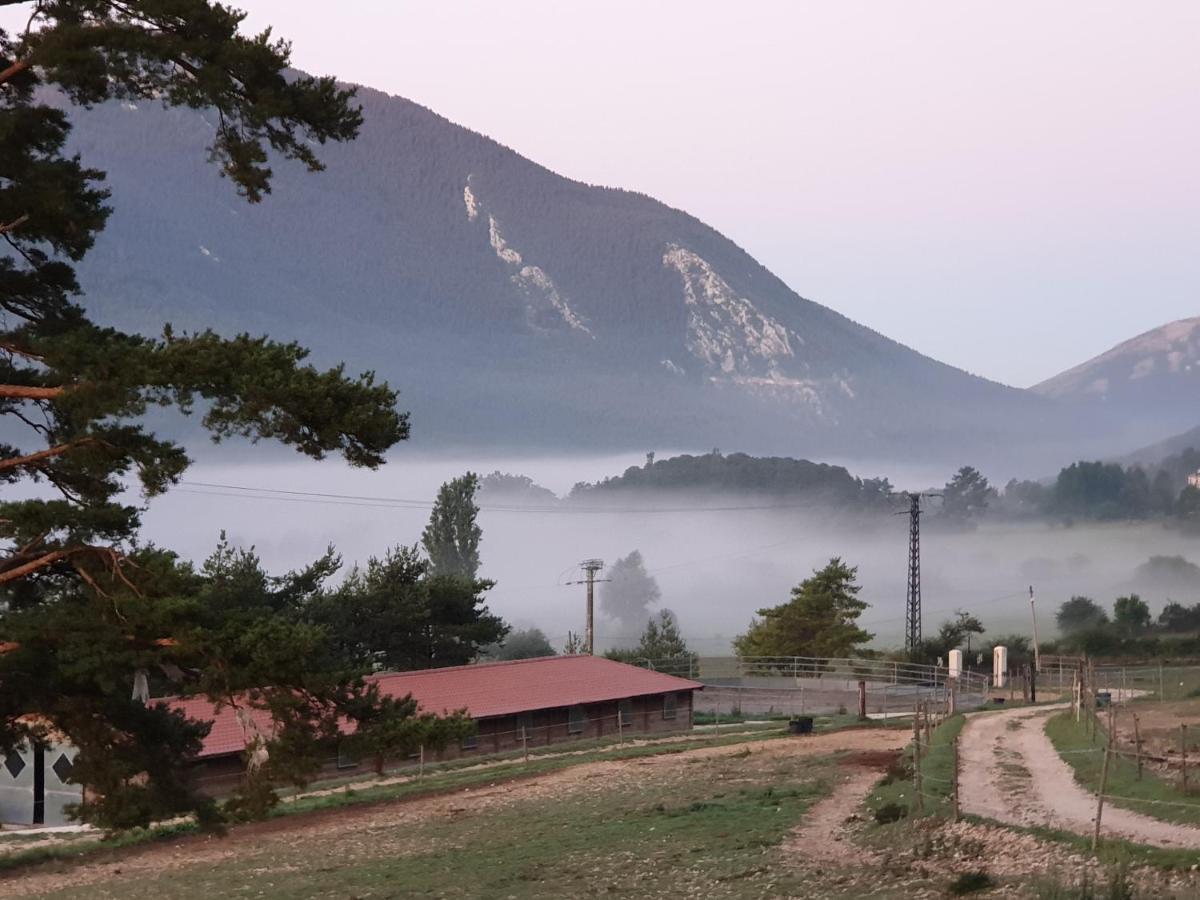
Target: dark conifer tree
column 82, row 607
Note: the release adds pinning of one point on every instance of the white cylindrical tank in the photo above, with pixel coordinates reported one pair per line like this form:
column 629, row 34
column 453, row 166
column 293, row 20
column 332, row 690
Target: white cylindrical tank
column 955, row 663
column 1000, row 666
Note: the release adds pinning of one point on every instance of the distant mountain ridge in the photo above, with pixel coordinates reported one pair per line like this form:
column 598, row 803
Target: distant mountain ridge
column 1154, row 376
column 515, row 307
column 1154, row 454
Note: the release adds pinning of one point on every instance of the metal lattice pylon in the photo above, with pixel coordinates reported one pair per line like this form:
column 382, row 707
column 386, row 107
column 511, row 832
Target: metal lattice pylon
column 912, row 608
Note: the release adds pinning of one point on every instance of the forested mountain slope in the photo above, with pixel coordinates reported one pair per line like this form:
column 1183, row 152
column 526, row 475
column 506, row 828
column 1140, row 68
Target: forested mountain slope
column 513, row 306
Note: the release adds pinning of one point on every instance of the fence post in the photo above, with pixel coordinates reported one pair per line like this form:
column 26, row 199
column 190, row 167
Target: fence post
column 1162, row 685
column 954, row 778
column 1100, row 796
column 862, row 700
column 1183, row 755
column 421, row 763
column 525, row 743
column 917, row 758
column 717, row 730
column 1137, row 743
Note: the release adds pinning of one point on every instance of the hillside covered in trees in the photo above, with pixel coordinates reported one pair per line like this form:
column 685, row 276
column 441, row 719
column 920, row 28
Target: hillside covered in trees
column 516, row 307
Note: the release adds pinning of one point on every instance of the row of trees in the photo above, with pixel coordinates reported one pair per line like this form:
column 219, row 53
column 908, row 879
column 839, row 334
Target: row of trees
column 1082, row 490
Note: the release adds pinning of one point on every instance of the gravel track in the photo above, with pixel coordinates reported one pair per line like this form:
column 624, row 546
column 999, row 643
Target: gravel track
column 1010, row 772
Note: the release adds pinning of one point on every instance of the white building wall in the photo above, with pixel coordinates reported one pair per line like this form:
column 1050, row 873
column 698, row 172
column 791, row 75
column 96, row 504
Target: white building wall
column 18, row 775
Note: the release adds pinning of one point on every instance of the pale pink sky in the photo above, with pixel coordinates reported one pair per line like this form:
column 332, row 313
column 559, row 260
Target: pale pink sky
column 1009, row 187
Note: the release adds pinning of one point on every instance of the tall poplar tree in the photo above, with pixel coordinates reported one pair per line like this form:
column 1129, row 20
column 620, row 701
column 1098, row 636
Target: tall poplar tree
column 452, row 536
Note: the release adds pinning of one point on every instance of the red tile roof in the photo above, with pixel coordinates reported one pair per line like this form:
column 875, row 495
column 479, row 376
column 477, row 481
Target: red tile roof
column 226, row 735
column 484, row 690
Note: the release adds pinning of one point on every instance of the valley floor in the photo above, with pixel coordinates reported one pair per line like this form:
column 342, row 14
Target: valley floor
column 782, row 817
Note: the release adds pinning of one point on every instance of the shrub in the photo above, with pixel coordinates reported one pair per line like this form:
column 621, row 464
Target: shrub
column 890, row 812
column 970, row 882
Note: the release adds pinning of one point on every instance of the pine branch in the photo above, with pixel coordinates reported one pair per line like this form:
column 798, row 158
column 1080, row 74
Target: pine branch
column 17, row 462
column 25, row 392
column 15, row 69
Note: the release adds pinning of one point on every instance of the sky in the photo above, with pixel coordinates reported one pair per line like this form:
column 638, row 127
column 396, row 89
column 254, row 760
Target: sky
column 1010, row 188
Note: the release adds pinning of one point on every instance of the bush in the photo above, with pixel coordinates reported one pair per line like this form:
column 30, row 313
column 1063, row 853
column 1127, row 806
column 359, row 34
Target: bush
column 890, row 812
column 970, row 882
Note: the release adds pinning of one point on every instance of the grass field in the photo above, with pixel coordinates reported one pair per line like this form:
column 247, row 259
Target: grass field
column 1166, row 802
column 707, row 825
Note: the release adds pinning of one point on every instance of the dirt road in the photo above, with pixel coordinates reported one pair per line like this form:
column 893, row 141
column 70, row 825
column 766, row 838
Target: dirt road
column 1010, row 772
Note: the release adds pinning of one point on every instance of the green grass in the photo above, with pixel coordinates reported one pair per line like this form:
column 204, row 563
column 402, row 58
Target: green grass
column 710, row 826
column 1124, row 789
column 448, row 777
column 937, row 770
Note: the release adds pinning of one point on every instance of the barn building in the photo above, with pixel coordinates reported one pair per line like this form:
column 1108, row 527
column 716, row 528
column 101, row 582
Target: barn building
column 523, row 703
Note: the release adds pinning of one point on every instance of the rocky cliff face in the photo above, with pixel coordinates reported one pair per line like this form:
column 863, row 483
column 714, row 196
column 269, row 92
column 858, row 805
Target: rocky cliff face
column 512, row 305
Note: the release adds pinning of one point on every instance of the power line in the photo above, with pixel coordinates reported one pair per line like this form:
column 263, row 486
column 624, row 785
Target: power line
column 247, row 492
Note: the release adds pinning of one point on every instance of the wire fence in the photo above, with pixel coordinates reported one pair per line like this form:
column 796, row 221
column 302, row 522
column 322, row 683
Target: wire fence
column 799, row 685
column 574, row 735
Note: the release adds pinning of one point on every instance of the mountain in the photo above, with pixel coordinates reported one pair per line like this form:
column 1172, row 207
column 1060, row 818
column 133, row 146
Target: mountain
column 1154, row 455
column 1152, row 381
column 515, row 307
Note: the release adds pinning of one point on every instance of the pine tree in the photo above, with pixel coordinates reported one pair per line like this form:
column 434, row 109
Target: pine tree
column 820, row 620
column 83, row 608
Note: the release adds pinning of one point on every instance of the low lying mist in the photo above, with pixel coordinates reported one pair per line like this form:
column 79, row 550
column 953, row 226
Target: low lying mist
column 715, row 565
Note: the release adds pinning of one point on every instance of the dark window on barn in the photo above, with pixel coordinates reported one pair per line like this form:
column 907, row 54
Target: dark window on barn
column 15, row 763
column 470, row 742
column 669, row 704
column 63, row 767
column 625, row 711
column 346, row 759
column 575, row 720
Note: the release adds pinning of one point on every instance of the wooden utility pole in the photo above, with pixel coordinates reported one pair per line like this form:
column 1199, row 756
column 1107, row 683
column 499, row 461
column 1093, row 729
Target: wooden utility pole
column 590, row 568
column 1037, row 659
